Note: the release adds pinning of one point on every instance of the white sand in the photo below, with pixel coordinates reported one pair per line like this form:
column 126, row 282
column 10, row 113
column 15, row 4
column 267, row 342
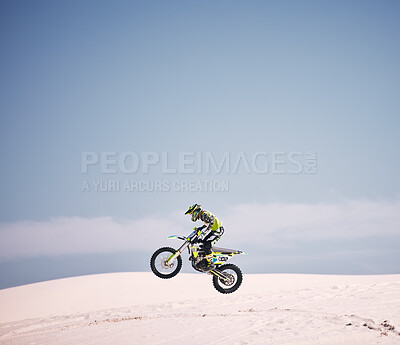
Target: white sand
column 139, row 308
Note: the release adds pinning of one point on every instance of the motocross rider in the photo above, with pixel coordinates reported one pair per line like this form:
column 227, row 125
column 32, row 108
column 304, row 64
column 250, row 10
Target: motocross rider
column 211, row 234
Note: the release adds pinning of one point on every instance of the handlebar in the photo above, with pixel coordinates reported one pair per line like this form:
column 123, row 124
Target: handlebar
column 195, row 234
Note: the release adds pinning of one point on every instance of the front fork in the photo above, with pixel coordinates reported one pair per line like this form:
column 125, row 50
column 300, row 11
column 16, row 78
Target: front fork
column 177, row 253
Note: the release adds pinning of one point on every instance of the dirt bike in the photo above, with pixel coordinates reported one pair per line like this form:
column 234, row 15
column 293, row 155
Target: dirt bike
column 166, row 262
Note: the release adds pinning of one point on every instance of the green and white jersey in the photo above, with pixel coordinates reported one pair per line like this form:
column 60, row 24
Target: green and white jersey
column 212, row 222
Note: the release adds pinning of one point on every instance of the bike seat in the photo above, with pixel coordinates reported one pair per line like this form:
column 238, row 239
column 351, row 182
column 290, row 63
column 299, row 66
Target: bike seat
column 225, row 250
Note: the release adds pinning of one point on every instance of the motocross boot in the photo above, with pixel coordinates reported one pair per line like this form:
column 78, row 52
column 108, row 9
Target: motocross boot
column 208, row 263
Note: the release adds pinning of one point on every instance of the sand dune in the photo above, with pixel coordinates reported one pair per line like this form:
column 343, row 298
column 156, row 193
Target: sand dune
column 139, row 308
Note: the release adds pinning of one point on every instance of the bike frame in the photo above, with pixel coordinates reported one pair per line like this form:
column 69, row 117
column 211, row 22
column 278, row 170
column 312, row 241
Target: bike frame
column 190, row 244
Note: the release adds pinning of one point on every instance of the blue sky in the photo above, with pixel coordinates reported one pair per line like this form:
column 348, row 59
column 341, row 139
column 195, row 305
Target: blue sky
column 201, row 76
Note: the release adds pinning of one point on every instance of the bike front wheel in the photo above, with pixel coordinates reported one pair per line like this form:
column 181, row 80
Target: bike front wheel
column 159, row 266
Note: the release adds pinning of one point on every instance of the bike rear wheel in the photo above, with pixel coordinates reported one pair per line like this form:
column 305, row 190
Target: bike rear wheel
column 234, row 275
column 159, row 266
